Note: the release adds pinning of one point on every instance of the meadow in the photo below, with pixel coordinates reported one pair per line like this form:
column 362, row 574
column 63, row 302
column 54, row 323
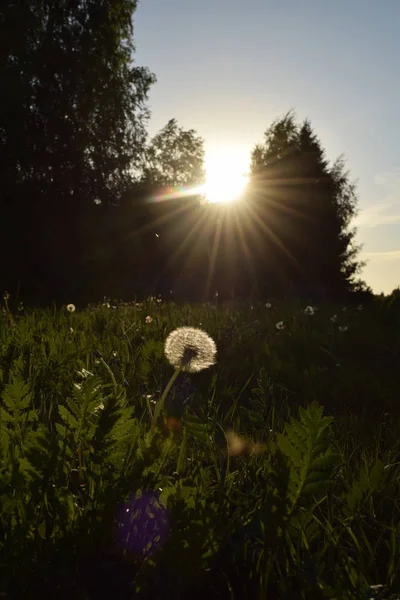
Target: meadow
column 274, row 473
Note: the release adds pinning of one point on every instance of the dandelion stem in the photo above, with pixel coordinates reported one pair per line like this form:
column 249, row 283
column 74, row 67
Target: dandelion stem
column 111, row 375
column 160, row 403
column 149, row 408
column 9, row 315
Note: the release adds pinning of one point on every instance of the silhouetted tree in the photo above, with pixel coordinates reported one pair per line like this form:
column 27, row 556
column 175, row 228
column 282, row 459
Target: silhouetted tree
column 149, row 240
column 71, row 133
column 174, row 157
column 300, row 212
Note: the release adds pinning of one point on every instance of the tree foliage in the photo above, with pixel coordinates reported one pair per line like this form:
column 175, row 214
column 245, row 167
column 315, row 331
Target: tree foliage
column 174, row 157
column 305, row 207
column 71, row 129
column 81, row 186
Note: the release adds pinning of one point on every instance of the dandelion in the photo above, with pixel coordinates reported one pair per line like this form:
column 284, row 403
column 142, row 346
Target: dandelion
column 190, row 349
column 333, row 318
column 343, row 328
column 148, row 319
column 268, row 305
column 71, row 307
column 309, row 310
column 280, row 325
column 187, row 349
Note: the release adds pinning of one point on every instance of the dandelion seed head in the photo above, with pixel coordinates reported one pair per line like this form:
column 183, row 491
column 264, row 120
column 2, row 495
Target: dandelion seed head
column 71, row 307
column 190, row 349
column 309, row 310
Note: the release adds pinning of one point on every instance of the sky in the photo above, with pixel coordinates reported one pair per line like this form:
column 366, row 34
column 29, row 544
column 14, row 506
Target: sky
column 228, row 68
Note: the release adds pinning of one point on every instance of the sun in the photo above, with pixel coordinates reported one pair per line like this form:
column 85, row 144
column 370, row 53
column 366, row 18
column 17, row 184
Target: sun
column 225, row 178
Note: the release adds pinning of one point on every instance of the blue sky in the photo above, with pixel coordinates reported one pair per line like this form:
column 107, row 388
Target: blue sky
column 228, row 68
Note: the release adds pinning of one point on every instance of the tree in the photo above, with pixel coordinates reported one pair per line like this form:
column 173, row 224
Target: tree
column 71, row 132
column 150, row 236
column 174, row 157
column 301, row 213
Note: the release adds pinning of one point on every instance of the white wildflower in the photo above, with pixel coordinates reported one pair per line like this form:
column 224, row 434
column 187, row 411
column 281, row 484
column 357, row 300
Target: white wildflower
column 190, row 349
column 84, row 373
column 309, row 310
column 343, row 328
column 71, row 307
column 333, row 318
column 99, row 408
column 148, row 319
column 280, row 325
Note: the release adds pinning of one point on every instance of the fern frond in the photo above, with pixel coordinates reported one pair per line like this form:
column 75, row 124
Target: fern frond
column 306, row 444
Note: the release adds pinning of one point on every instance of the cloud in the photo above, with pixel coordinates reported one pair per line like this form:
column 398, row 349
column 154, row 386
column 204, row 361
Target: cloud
column 383, row 256
column 387, row 211
column 390, row 179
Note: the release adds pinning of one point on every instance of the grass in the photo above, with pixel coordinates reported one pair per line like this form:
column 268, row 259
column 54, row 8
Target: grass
column 273, row 474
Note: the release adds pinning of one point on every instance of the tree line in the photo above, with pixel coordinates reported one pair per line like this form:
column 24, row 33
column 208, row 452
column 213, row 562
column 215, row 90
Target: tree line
column 90, row 206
